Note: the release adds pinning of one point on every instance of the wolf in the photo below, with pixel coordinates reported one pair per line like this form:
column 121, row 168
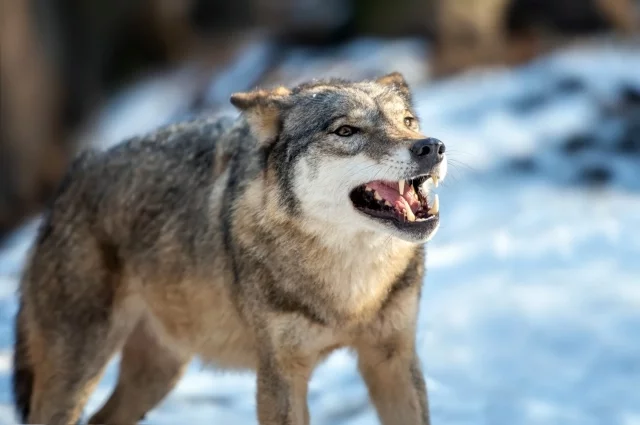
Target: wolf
column 261, row 242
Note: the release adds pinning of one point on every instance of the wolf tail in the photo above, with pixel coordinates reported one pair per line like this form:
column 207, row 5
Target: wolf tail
column 22, row 369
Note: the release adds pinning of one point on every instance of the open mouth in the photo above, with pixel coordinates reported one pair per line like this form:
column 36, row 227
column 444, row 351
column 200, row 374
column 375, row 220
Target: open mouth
column 406, row 201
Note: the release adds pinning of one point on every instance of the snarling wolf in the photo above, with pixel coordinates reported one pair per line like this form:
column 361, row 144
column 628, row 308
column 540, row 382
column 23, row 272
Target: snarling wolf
column 263, row 242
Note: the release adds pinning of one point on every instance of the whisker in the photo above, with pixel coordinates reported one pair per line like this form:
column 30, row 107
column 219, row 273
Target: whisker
column 456, row 152
column 454, row 163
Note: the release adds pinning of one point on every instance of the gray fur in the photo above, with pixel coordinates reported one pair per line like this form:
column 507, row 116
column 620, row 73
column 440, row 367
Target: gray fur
column 197, row 239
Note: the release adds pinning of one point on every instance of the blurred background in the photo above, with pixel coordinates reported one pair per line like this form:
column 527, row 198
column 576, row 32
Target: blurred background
column 531, row 310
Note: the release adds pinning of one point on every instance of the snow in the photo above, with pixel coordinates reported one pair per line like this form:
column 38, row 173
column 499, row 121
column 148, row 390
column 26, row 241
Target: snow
column 531, row 307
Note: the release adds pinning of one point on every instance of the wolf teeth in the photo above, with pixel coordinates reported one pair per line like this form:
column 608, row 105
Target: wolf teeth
column 435, row 208
column 410, row 215
column 401, row 187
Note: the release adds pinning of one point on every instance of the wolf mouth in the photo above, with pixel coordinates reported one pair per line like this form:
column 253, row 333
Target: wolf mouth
column 407, row 201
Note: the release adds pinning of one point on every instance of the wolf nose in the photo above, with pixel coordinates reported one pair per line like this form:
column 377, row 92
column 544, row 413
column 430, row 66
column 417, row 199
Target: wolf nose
column 431, row 147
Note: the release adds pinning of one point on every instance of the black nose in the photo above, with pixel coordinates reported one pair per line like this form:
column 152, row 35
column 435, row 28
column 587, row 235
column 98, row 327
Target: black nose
column 428, row 147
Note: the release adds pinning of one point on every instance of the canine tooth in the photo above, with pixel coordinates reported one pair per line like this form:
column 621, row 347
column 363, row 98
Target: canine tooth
column 368, row 189
column 401, row 187
column 435, row 208
column 377, row 196
column 410, row 215
column 387, row 203
column 424, row 187
column 435, row 180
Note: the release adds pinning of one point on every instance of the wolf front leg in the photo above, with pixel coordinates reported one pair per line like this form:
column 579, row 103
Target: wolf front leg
column 284, row 369
column 396, row 385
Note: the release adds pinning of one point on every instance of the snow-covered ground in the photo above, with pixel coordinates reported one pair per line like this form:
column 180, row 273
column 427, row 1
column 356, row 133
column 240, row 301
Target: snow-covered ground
column 531, row 307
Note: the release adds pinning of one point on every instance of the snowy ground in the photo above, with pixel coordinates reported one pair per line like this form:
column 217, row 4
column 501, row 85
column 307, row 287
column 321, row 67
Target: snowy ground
column 531, row 309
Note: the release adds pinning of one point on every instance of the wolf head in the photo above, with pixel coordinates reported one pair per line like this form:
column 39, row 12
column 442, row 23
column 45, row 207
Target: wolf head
column 350, row 156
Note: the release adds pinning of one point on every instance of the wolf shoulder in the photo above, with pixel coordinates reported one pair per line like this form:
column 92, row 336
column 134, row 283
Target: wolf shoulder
column 146, row 179
column 174, row 155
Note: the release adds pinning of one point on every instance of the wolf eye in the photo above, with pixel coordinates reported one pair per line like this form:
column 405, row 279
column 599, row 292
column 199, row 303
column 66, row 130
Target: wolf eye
column 409, row 122
column 346, row 131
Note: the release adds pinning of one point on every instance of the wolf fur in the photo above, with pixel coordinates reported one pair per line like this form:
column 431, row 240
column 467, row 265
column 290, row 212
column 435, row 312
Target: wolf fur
column 234, row 240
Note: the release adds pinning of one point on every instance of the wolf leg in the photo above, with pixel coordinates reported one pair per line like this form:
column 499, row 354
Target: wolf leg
column 67, row 369
column 282, row 395
column 396, row 384
column 149, row 369
column 283, row 377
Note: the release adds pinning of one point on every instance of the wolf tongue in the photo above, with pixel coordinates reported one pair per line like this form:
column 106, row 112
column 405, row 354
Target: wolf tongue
column 408, row 201
column 403, row 205
column 411, row 198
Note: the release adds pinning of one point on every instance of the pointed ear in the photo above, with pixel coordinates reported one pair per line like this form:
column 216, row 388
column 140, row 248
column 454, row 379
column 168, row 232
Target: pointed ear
column 263, row 111
column 397, row 81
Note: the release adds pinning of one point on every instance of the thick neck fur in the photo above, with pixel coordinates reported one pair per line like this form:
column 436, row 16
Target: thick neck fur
column 352, row 271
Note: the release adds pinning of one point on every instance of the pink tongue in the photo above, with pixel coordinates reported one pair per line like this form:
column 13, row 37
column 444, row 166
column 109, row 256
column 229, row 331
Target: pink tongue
column 389, row 192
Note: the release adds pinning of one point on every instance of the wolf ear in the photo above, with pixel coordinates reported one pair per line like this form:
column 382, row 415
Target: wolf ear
column 395, row 80
column 263, row 110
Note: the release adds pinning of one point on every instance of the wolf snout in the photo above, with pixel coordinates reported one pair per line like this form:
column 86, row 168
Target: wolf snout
column 430, row 149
